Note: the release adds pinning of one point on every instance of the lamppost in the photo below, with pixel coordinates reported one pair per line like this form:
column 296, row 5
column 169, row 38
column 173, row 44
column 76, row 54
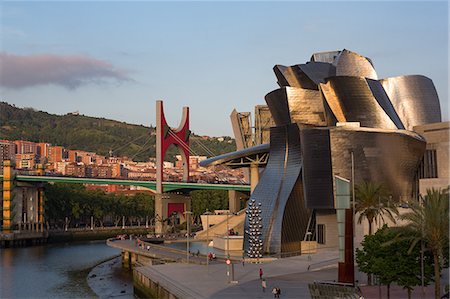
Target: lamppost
column 353, row 217
column 228, row 237
column 188, row 228
column 308, row 238
column 207, row 213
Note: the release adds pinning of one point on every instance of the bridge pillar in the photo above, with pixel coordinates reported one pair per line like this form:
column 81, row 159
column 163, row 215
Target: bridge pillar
column 234, row 200
column 41, row 208
column 8, row 185
column 166, row 136
column 165, row 205
column 254, row 176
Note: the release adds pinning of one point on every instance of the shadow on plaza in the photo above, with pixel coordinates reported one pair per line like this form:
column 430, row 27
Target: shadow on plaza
column 293, row 285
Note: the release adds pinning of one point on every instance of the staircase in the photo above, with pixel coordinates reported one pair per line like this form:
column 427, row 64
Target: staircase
column 235, row 222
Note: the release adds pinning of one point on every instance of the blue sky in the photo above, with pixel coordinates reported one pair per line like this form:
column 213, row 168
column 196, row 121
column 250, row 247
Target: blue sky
column 210, row 56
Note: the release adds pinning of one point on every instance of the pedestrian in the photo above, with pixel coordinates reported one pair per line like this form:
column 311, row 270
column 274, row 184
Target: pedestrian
column 260, row 273
column 274, row 292
column 264, row 285
column 278, row 292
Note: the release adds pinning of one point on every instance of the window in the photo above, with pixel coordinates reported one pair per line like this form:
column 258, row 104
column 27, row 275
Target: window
column 321, row 233
column 428, row 166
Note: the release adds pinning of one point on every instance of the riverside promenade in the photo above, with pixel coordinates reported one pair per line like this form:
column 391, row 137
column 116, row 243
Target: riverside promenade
column 195, row 280
column 292, row 275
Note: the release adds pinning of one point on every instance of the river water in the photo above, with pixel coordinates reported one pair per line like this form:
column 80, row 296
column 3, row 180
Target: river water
column 51, row 271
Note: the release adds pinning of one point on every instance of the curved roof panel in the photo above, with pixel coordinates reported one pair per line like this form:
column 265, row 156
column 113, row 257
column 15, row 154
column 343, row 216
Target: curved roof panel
column 414, row 98
column 352, row 64
column 318, row 71
column 351, row 100
column 298, row 105
column 293, row 76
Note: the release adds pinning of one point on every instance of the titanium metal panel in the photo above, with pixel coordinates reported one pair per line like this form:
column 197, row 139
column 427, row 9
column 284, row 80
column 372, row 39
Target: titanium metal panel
column 298, row 105
column 352, row 64
column 351, row 100
column 317, row 168
column 414, row 98
column 328, row 57
column 275, row 187
column 318, row 71
column 295, row 219
column 293, row 76
column 278, row 106
column 390, row 157
column 384, row 101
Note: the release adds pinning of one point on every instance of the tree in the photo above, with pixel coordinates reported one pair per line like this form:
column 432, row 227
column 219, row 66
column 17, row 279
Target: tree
column 392, row 262
column 429, row 223
column 208, row 199
column 372, row 201
column 79, row 204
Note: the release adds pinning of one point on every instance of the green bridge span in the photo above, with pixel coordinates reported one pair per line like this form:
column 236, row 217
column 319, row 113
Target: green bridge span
column 167, row 186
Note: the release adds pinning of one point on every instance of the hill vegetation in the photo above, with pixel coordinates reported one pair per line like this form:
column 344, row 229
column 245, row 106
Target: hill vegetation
column 93, row 134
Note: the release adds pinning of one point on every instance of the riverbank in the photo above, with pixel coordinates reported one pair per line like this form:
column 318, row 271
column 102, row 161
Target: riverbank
column 95, row 234
column 32, row 238
column 109, row 279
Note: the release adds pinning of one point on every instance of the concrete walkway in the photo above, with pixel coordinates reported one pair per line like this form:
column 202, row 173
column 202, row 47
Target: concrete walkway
column 291, row 275
column 156, row 251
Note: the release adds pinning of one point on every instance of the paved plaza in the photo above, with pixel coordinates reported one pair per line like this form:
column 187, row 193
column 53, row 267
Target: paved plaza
column 291, row 275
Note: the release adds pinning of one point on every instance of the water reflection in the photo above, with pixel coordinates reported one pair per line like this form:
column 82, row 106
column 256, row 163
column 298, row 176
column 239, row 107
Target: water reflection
column 56, row 271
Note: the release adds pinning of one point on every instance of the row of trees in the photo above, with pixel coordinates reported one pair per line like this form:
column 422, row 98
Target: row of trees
column 404, row 254
column 210, row 200
column 79, row 204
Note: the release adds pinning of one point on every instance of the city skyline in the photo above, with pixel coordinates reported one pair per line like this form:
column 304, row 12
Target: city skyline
column 114, row 60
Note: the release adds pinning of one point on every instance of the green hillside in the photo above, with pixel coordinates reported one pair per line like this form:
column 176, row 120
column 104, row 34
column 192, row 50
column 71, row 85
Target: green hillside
column 94, row 134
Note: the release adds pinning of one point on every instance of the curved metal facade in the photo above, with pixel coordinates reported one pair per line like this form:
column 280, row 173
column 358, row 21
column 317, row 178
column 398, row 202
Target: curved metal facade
column 351, row 100
column 318, row 71
column 307, row 149
column 415, row 99
column 293, row 76
column 276, row 190
column 328, row 56
column 296, row 105
column 352, row 64
column 383, row 100
column 306, row 76
column 389, row 157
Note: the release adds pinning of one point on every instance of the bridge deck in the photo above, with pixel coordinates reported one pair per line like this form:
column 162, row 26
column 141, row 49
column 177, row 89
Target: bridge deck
column 167, row 186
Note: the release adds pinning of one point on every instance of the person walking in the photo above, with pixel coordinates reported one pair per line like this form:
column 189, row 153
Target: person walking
column 263, row 285
column 278, row 292
column 260, row 273
column 274, row 292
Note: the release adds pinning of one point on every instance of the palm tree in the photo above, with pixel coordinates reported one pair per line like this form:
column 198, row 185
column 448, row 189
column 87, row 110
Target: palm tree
column 429, row 222
column 372, row 202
